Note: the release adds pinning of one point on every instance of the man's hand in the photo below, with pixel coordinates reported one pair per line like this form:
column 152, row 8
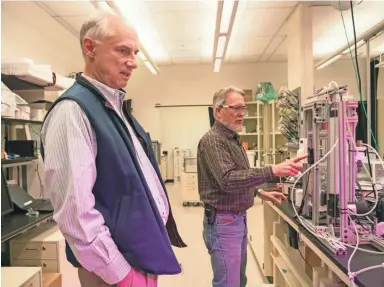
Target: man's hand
column 290, row 167
column 273, row 196
column 136, row 278
column 128, row 280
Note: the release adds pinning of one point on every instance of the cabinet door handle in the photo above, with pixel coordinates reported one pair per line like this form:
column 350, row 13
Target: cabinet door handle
column 31, row 249
column 43, row 248
column 44, row 264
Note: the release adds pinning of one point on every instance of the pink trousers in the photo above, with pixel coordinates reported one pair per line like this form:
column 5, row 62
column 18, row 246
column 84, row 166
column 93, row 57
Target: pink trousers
column 138, row 279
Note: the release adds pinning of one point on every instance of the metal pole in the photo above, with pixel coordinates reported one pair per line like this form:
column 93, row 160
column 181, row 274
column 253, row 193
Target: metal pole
column 368, row 80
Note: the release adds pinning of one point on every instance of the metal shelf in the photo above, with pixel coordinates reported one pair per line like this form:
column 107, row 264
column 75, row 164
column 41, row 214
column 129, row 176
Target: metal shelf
column 19, row 121
column 20, row 160
column 14, row 84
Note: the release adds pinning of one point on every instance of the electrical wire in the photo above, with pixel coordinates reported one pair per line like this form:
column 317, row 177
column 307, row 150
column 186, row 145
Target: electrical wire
column 373, row 186
column 354, row 66
column 350, row 274
column 358, row 78
column 304, row 224
column 353, row 275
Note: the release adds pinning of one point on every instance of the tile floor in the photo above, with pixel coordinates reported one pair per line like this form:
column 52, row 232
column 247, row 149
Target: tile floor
column 194, row 259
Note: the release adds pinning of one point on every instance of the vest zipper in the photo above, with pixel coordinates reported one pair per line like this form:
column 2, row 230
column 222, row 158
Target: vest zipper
column 120, row 119
column 126, row 129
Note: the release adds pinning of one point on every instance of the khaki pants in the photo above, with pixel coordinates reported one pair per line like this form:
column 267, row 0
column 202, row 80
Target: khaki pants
column 139, row 279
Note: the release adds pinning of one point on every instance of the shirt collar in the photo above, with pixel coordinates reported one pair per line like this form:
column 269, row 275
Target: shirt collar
column 222, row 129
column 111, row 94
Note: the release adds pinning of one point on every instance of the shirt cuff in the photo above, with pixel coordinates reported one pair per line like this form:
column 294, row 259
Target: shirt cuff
column 115, row 271
column 268, row 173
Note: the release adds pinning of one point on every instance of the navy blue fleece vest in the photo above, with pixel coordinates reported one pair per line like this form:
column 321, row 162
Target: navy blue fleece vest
column 121, row 192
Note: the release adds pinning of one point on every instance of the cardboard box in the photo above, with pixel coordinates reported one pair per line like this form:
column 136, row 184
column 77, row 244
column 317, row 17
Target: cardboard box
column 248, row 95
column 52, row 279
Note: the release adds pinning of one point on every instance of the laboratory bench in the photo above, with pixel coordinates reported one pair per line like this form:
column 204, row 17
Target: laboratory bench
column 17, row 223
column 313, row 265
column 32, row 246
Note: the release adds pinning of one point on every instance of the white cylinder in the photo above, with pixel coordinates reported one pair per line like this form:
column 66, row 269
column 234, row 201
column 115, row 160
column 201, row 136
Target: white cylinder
column 251, row 157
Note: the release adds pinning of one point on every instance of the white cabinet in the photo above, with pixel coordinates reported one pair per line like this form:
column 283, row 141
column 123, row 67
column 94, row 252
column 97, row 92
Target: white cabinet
column 178, row 162
column 189, row 188
column 38, row 247
column 21, row 277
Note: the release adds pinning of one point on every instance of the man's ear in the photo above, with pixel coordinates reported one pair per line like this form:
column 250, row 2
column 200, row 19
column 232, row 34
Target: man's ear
column 89, row 47
column 218, row 112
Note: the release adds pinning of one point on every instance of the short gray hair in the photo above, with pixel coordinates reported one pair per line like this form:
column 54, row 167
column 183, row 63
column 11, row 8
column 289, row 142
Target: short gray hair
column 220, row 97
column 95, row 28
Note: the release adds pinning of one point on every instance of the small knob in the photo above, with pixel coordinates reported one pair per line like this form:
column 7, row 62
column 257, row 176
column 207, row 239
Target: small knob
column 44, row 248
column 44, row 265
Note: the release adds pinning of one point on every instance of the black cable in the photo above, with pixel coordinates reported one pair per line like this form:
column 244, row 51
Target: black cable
column 300, row 210
column 354, row 35
column 298, row 249
column 359, row 81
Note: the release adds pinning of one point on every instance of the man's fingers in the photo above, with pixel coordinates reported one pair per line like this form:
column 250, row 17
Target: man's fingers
column 296, row 166
column 300, row 158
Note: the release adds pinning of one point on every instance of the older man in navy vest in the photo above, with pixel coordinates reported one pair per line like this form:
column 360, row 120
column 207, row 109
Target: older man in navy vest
column 109, row 200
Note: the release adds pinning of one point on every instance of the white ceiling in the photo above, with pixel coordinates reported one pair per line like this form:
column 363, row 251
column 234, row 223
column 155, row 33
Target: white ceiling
column 182, row 32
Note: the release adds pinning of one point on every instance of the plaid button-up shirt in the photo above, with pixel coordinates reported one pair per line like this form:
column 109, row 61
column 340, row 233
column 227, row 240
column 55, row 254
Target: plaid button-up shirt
column 225, row 178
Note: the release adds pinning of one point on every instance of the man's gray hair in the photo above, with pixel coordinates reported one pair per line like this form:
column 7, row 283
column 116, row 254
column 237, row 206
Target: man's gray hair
column 220, row 97
column 95, row 28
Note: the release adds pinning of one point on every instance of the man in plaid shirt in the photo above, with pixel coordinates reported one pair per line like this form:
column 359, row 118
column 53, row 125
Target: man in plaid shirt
column 227, row 187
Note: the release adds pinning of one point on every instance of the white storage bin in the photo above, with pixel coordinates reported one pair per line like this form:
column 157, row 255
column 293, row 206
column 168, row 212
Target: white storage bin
column 23, row 113
column 251, row 157
column 38, row 114
column 7, row 111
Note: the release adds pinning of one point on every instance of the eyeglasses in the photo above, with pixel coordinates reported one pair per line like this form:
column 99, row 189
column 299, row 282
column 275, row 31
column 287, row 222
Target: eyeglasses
column 236, row 108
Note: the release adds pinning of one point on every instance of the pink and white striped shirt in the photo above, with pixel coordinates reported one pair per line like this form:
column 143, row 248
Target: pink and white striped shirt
column 70, row 173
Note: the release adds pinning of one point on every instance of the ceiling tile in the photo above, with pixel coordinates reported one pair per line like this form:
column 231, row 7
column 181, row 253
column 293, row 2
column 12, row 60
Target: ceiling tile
column 185, row 61
column 185, row 27
column 75, row 21
column 270, row 4
column 172, row 6
column 278, row 58
column 328, row 29
column 263, row 22
column 273, row 46
column 71, row 8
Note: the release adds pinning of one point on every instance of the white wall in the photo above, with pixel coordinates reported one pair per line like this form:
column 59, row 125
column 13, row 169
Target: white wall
column 179, row 85
column 194, row 85
column 29, row 32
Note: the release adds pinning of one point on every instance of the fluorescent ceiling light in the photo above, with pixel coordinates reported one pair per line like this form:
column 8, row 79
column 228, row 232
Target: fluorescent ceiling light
column 220, row 46
column 104, row 7
column 352, row 46
column 150, row 67
column 330, row 61
column 226, row 15
column 141, row 56
column 217, row 65
column 138, row 14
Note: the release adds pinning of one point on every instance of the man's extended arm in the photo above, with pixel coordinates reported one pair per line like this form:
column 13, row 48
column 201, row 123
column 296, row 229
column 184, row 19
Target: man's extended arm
column 70, row 173
column 215, row 153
